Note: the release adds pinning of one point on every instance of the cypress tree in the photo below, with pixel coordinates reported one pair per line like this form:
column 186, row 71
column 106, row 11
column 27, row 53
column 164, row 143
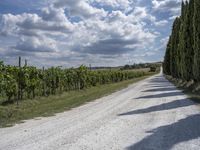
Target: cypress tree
column 182, row 59
column 191, row 38
column 182, row 43
column 196, row 28
column 174, row 48
column 166, row 64
column 178, row 51
column 172, row 52
column 188, row 37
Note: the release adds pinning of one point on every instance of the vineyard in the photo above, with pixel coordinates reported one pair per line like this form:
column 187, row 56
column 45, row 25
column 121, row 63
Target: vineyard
column 27, row 82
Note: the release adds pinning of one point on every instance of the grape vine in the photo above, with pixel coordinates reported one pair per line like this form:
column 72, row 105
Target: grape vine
column 27, row 82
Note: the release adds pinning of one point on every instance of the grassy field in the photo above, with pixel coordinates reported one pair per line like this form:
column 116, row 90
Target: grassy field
column 48, row 106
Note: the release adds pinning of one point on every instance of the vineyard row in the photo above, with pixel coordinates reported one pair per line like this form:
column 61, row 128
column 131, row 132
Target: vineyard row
column 27, row 82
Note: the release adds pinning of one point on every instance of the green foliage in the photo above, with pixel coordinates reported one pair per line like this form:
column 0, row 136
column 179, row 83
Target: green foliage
column 47, row 106
column 166, row 64
column 153, row 69
column 141, row 66
column 196, row 26
column 182, row 58
column 17, row 83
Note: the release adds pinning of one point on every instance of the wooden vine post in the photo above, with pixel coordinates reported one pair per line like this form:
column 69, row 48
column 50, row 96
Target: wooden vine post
column 19, row 84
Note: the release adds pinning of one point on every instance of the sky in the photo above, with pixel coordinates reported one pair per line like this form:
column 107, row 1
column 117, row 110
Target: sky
column 70, row 33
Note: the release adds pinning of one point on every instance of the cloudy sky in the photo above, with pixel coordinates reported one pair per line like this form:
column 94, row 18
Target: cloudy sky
column 75, row 32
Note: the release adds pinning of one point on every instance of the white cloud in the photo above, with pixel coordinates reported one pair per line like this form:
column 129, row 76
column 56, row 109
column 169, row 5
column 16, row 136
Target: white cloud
column 97, row 36
column 161, row 23
column 33, row 44
column 80, row 8
column 120, row 4
column 13, row 23
column 172, row 6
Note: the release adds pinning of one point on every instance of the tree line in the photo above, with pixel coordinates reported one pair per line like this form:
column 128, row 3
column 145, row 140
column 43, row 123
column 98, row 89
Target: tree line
column 142, row 65
column 182, row 57
column 27, row 82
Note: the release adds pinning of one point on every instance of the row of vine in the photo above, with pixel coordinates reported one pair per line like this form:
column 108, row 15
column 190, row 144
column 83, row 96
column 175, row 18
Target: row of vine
column 27, row 82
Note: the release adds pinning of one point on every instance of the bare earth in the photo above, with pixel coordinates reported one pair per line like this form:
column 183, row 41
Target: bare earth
column 149, row 115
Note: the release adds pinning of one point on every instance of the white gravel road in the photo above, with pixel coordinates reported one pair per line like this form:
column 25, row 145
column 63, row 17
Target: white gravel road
column 149, row 115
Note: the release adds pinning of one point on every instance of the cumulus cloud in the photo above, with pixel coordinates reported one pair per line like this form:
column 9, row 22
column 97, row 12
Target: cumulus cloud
column 33, row 44
column 172, row 6
column 85, row 30
column 30, row 24
column 117, row 4
column 111, row 46
column 79, row 8
column 161, row 23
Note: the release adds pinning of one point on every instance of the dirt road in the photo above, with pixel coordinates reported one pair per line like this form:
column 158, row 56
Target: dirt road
column 149, row 115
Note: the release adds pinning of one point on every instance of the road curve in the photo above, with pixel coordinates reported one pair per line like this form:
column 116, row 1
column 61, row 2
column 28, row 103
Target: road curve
column 149, row 115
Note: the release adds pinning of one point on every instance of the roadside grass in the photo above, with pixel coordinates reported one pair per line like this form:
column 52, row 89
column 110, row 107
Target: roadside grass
column 188, row 90
column 194, row 96
column 47, row 106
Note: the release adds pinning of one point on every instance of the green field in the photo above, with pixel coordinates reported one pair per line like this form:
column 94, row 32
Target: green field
column 47, row 106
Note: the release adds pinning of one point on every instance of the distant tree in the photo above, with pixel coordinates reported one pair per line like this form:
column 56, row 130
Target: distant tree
column 127, row 67
column 153, row 68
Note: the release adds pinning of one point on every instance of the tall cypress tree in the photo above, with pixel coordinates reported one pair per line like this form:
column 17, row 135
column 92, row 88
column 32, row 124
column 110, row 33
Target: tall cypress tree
column 182, row 42
column 188, row 46
column 178, row 51
column 183, row 52
column 172, row 51
column 196, row 27
column 166, row 64
column 174, row 48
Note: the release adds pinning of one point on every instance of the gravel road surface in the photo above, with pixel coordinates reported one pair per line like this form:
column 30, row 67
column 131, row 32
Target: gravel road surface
column 149, row 115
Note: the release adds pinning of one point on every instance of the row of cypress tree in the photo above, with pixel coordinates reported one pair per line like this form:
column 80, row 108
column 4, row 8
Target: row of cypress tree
column 182, row 58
